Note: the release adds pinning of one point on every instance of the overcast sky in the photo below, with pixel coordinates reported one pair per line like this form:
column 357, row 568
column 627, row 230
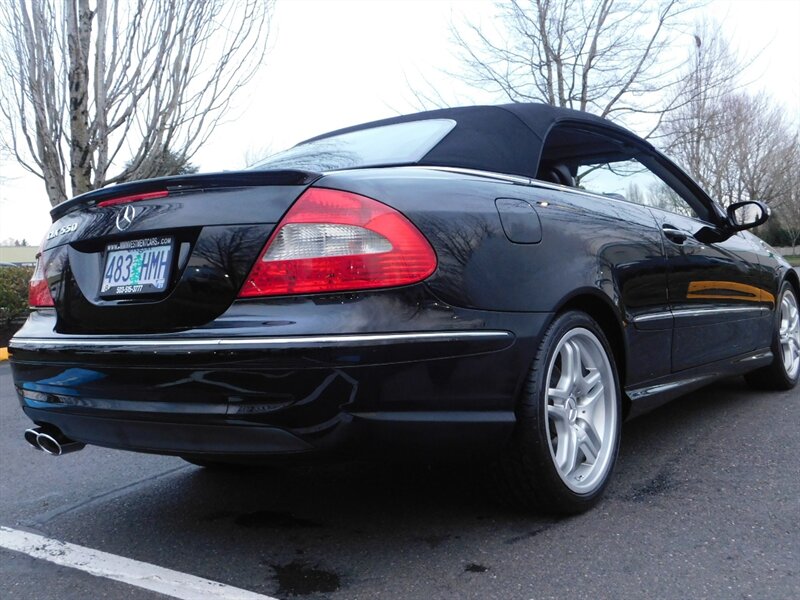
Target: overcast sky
column 335, row 64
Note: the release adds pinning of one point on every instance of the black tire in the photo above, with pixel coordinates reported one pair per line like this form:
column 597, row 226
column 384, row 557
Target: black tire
column 527, row 476
column 775, row 376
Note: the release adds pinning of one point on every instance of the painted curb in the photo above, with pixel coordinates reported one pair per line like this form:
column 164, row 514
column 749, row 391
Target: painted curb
column 3, row 354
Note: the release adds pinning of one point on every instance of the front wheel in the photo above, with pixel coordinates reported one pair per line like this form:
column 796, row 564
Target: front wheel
column 568, row 421
column 784, row 370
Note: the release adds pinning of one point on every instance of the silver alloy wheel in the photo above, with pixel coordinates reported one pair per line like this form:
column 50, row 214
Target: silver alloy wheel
column 789, row 334
column 581, row 410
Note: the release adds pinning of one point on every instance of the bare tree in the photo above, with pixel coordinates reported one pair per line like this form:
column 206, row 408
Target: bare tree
column 692, row 132
column 87, row 87
column 765, row 149
column 788, row 213
column 163, row 164
column 608, row 57
column 737, row 146
column 790, row 220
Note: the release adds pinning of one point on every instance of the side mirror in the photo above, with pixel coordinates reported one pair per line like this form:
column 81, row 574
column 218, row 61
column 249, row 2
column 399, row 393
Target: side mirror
column 746, row 215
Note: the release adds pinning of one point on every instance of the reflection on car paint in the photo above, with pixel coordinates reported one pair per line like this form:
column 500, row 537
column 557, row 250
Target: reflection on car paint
column 69, row 377
column 728, row 290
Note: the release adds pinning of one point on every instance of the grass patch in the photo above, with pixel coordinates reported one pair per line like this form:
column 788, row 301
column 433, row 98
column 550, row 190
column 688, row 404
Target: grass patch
column 794, row 260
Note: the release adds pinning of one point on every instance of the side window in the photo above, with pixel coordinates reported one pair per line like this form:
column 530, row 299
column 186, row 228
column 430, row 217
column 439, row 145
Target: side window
column 616, row 166
column 632, row 181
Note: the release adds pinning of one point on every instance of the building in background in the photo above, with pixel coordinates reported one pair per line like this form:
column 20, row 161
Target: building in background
column 22, row 256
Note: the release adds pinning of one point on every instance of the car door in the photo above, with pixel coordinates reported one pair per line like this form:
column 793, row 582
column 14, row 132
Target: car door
column 716, row 307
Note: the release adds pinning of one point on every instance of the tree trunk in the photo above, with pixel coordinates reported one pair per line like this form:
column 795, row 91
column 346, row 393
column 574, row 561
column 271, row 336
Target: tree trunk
column 87, row 86
column 79, row 34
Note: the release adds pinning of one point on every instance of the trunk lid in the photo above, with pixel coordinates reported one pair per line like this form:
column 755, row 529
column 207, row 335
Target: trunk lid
column 163, row 254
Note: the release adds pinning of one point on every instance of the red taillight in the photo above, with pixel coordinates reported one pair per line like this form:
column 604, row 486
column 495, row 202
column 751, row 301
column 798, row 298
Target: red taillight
column 134, row 198
column 333, row 241
column 38, row 291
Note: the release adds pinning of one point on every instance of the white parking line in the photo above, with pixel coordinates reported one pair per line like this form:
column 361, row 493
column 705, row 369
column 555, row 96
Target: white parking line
column 133, row 572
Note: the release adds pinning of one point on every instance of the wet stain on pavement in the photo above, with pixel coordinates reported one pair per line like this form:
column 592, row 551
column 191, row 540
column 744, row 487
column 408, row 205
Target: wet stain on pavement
column 267, row 519
column 299, row 578
column 533, row 532
column 475, row 568
column 526, row 536
column 434, row 541
column 661, row 483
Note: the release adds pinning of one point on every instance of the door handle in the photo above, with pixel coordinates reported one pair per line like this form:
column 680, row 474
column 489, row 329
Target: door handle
column 674, row 234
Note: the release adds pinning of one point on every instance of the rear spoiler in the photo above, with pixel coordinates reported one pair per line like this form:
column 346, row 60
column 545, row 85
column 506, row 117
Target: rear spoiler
column 225, row 179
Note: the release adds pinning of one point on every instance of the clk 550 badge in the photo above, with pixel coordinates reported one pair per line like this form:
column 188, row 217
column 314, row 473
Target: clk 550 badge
column 61, row 231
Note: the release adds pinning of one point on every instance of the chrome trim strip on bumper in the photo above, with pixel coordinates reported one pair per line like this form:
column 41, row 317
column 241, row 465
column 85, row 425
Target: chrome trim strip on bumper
column 286, row 341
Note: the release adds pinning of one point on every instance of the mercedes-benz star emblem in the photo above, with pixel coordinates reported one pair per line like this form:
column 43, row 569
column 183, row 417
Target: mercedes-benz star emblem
column 125, row 217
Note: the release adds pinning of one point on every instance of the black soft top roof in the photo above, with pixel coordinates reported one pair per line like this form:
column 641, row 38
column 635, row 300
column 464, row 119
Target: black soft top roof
column 505, row 138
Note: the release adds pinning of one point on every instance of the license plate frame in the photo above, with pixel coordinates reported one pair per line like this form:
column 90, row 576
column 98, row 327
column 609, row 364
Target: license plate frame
column 137, row 267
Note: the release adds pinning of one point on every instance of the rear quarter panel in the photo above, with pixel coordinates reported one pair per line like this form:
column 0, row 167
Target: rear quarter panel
column 590, row 246
column 587, row 242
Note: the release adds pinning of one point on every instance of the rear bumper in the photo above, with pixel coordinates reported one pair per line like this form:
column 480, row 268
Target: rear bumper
column 431, row 391
column 114, row 431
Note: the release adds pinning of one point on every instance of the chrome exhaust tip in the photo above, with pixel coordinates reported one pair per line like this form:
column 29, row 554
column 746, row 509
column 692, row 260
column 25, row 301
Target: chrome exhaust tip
column 52, row 441
column 49, row 444
column 31, row 436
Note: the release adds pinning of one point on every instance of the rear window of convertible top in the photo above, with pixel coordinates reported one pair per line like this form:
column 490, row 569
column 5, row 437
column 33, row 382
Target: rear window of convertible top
column 397, row 144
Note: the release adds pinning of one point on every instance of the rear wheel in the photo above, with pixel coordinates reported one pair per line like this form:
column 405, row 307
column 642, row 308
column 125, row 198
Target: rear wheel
column 784, row 371
column 568, row 421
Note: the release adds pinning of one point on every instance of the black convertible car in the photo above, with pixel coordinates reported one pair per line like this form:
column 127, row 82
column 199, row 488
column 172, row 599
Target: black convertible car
column 508, row 282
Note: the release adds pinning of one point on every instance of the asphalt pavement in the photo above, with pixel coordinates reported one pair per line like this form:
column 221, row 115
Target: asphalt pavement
column 704, row 504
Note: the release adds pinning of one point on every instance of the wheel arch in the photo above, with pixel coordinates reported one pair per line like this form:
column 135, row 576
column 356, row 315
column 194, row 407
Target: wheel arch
column 793, row 278
column 600, row 307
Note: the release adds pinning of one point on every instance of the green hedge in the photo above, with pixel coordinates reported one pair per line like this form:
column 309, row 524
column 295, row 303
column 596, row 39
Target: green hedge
column 14, row 293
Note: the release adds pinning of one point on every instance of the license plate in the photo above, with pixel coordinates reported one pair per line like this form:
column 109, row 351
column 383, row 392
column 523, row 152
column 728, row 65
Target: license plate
column 137, row 267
